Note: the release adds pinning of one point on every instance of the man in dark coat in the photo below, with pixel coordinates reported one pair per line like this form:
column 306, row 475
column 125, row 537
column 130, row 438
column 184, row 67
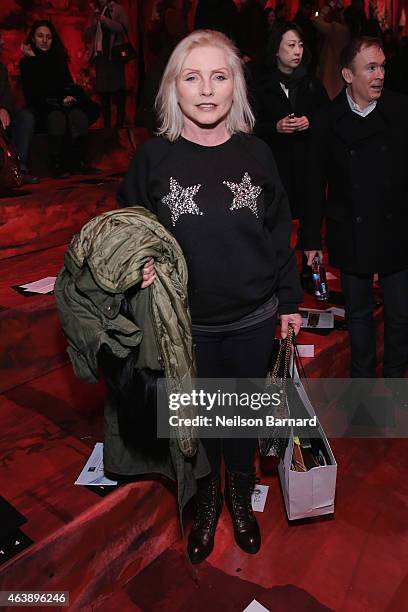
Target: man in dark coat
column 359, row 160
column 18, row 123
column 252, row 31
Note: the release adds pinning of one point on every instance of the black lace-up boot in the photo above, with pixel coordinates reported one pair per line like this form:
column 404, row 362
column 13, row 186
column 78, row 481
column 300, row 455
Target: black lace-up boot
column 238, row 490
column 208, row 509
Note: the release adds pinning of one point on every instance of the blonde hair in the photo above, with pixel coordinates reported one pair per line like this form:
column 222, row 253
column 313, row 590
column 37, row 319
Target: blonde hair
column 171, row 121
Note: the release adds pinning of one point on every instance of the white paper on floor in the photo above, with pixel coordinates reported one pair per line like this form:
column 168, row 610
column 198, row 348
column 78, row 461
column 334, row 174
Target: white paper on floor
column 44, row 285
column 305, row 350
column 339, row 312
column 259, row 497
column 93, row 473
column 255, row 606
column 316, row 319
column 330, row 276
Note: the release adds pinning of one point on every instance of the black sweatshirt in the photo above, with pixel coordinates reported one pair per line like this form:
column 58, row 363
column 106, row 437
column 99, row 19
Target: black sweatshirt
column 228, row 210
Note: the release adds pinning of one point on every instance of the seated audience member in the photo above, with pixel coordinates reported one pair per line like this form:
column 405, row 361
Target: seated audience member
column 52, row 96
column 18, row 123
column 108, row 27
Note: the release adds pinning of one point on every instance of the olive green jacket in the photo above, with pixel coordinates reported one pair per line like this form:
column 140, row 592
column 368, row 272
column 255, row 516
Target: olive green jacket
column 103, row 261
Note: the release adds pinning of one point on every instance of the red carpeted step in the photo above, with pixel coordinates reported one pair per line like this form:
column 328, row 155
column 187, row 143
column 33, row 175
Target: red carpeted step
column 83, row 543
column 31, row 338
column 53, row 211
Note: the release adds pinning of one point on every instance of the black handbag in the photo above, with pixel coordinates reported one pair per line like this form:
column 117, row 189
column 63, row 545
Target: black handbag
column 275, row 440
column 125, row 52
column 10, row 172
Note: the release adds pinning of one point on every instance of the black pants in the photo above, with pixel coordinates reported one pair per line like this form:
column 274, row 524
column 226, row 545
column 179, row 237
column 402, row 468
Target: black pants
column 245, row 353
column 75, row 121
column 72, row 123
column 21, row 131
column 358, row 293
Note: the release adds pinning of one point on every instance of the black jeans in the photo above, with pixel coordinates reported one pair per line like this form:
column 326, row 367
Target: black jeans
column 358, row 293
column 75, row 120
column 244, row 353
column 22, row 130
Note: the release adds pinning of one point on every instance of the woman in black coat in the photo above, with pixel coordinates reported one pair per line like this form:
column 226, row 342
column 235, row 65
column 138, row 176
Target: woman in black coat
column 53, row 98
column 286, row 100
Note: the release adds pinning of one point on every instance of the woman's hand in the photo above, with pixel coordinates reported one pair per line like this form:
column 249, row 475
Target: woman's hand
column 68, row 101
column 290, row 124
column 4, row 118
column 27, row 50
column 295, row 320
column 287, row 125
column 149, row 274
column 302, row 123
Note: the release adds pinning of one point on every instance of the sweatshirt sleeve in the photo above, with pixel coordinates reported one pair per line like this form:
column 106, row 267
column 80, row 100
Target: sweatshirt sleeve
column 134, row 189
column 279, row 222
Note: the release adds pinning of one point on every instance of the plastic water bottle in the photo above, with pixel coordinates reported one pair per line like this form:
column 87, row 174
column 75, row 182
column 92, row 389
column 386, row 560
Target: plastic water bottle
column 319, row 280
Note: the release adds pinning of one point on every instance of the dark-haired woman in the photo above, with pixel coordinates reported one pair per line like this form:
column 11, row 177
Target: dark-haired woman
column 52, row 96
column 286, row 100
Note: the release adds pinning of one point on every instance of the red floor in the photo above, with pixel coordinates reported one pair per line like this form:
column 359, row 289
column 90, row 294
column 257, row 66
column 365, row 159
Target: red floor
column 355, row 561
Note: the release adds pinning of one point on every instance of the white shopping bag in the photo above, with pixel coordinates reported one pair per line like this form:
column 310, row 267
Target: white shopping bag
column 308, row 493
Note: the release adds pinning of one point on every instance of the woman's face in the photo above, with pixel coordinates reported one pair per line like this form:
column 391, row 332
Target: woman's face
column 205, row 87
column 43, row 38
column 290, row 51
column 271, row 17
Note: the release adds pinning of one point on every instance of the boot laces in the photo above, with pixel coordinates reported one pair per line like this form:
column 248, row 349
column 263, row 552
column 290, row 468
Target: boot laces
column 206, row 507
column 241, row 496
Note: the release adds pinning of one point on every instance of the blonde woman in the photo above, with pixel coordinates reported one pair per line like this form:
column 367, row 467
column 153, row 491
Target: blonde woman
column 216, row 188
